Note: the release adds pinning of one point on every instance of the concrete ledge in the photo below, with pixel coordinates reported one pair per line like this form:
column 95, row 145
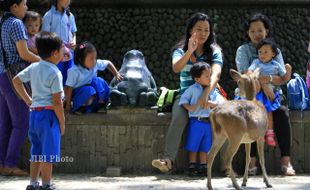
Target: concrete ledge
column 130, row 139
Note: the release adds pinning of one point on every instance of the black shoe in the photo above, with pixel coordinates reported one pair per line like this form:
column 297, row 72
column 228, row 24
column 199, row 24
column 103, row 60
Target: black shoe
column 192, row 171
column 102, row 107
column 203, row 170
column 48, row 187
column 31, row 187
column 81, row 110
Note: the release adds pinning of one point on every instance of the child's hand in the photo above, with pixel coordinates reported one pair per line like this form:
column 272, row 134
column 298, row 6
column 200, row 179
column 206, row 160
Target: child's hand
column 62, row 129
column 211, row 104
column 192, row 108
column 72, row 44
column 68, row 108
column 119, row 77
column 29, row 102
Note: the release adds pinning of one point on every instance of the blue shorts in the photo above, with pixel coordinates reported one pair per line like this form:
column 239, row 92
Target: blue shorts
column 44, row 135
column 98, row 88
column 199, row 136
column 270, row 106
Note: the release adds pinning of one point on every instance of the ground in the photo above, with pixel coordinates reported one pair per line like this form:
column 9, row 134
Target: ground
column 157, row 182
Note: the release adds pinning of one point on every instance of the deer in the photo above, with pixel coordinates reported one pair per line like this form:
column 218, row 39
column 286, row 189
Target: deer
column 240, row 122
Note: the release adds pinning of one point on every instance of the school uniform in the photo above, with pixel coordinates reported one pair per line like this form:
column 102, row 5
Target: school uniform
column 271, row 68
column 44, row 132
column 85, row 84
column 199, row 136
column 64, row 26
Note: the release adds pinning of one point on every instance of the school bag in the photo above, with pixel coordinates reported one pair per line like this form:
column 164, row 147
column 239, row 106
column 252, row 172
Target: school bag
column 297, row 93
column 166, row 99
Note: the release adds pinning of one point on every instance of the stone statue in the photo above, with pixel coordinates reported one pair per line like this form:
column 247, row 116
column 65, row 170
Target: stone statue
column 138, row 88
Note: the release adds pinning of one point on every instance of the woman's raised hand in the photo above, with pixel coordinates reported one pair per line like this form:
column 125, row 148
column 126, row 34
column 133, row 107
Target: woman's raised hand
column 192, row 43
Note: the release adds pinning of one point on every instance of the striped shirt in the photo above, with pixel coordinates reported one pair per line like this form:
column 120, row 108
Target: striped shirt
column 185, row 76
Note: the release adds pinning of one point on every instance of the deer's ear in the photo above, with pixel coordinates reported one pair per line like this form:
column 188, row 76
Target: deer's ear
column 235, row 74
column 256, row 73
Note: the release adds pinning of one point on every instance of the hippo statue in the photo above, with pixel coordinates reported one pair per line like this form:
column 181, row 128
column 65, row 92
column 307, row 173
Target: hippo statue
column 138, row 88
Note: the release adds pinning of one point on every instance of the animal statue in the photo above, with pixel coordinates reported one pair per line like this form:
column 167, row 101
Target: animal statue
column 138, row 88
column 239, row 121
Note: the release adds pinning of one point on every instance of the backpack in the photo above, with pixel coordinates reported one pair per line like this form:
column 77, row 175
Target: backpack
column 166, row 99
column 297, row 93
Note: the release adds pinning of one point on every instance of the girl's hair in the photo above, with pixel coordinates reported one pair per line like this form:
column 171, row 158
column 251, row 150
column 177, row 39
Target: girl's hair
column 6, row 4
column 208, row 45
column 259, row 17
column 81, row 52
column 268, row 41
column 55, row 2
column 32, row 15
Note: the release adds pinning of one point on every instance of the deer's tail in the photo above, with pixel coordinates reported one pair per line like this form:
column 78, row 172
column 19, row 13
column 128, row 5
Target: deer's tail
column 215, row 125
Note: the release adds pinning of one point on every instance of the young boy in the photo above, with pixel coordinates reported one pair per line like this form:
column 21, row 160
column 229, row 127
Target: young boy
column 199, row 136
column 267, row 50
column 47, row 121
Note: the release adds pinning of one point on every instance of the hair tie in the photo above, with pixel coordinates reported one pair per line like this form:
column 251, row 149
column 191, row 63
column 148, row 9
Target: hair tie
column 82, row 46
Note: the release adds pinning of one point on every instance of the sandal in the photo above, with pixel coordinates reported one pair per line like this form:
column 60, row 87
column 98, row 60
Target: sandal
column 288, row 170
column 252, row 171
column 164, row 165
column 14, row 172
column 270, row 138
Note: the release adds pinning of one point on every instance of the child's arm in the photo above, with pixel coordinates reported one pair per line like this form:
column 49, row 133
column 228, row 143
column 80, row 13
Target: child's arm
column 59, row 111
column 276, row 79
column 190, row 108
column 73, row 42
column 19, row 87
column 114, row 71
column 68, row 97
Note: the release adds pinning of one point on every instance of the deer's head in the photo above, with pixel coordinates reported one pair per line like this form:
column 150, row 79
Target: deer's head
column 247, row 83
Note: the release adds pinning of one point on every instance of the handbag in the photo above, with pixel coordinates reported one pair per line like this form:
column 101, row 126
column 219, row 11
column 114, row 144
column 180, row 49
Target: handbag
column 13, row 69
column 166, row 99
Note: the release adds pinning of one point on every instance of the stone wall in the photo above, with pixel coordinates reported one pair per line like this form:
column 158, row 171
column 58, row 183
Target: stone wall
column 132, row 138
column 115, row 28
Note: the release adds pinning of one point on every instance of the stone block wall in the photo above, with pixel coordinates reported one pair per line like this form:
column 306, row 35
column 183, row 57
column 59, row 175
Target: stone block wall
column 132, row 138
column 116, row 27
column 155, row 31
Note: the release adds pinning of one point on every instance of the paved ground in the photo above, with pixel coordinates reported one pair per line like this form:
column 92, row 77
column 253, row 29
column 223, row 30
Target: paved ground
column 158, row 182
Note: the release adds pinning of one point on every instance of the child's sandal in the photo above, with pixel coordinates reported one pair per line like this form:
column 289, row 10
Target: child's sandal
column 269, row 137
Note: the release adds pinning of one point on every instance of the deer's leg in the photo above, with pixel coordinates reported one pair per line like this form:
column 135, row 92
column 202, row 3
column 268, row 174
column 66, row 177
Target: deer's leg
column 247, row 163
column 260, row 150
column 217, row 143
column 232, row 148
